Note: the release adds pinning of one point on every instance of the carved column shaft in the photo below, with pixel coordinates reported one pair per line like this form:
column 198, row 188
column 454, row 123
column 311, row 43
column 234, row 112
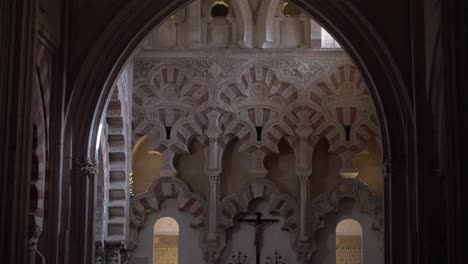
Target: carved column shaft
column 213, row 170
column 303, row 171
column 89, row 168
column 213, row 206
column 304, row 196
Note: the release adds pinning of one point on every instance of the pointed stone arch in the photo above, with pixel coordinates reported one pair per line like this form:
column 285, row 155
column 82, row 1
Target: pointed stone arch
column 351, row 28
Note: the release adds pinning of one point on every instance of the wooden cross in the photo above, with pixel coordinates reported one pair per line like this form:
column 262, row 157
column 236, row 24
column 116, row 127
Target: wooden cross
column 259, row 224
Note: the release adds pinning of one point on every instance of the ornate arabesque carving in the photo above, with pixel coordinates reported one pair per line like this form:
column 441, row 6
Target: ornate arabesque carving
column 259, row 102
column 345, row 101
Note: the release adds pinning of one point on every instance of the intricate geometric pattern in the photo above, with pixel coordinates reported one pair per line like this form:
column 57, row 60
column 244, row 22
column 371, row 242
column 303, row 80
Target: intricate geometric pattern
column 259, row 102
column 255, row 105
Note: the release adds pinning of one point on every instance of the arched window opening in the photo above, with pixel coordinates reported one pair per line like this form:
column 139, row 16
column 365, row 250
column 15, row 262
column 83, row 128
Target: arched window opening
column 166, row 241
column 219, row 9
column 290, row 10
column 328, row 42
column 146, row 166
column 349, row 242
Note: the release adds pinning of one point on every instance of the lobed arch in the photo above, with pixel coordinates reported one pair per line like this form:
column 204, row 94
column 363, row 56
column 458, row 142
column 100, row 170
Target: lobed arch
column 161, row 189
column 342, row 19
column 279, row 203
column 328, row 203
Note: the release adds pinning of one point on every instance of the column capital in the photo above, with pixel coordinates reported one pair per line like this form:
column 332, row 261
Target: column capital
column 304, row 174
column 88, row 167
column 213, row 176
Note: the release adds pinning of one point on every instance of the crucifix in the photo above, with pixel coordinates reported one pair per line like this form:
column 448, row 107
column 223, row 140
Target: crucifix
column 259, row 224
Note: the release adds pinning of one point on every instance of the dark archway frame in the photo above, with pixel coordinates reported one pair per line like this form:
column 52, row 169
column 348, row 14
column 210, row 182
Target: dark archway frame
column 344, row 21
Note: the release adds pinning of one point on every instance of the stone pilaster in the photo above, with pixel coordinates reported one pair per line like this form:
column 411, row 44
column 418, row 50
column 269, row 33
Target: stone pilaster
column 17, row 50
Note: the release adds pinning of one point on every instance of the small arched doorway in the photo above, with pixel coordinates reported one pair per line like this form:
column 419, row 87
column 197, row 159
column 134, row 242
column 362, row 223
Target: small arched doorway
column 166, row 241
column 349, row 242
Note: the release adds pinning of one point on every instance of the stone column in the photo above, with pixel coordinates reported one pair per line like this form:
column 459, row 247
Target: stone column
column 213, row 170
column 17, row 53
column 88, row 169
column 213, row 206
column 303, row 199
column 194, row 25
column 303, row 171
column 303, row 154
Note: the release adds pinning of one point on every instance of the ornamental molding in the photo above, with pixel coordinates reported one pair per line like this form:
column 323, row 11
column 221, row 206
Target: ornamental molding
column 259, row 102
column 232, row 53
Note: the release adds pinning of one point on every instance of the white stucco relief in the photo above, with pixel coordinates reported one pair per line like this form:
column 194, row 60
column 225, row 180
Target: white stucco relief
column 259, row 101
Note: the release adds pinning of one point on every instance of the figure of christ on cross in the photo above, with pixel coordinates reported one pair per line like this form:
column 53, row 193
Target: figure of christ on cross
column 259, row 224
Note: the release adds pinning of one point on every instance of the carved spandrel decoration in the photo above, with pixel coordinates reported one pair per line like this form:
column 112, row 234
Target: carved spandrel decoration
column 267, row 86
column 260, row 102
